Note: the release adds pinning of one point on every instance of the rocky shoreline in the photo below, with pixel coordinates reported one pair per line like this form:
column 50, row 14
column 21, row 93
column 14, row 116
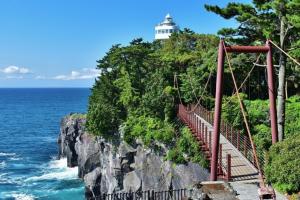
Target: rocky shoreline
column 114, row 166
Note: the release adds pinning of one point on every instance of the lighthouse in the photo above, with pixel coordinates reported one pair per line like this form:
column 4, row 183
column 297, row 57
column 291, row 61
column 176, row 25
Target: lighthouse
column 164, row 29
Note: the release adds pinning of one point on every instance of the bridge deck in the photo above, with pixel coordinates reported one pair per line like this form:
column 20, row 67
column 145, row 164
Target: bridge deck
column 241, row 168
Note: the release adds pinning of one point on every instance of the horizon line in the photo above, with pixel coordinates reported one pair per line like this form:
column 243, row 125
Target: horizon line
column 46, row 87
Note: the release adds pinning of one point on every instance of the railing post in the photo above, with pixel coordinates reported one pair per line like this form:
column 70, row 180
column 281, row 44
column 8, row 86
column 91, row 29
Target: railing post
column 228, row 174
column 238, row 140
column 220, row 159
column 206, row 137
column 208, row 117
column 245, row 146
column 202, row 132
column 197, row 126
column 210, row 142
column 231, row 134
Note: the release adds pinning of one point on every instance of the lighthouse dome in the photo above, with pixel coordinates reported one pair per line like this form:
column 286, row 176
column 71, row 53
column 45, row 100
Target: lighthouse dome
column 164, row 29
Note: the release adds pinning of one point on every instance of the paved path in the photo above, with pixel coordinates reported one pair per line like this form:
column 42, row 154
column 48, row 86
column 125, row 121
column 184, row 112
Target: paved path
column 247, row 190
column 241, row 168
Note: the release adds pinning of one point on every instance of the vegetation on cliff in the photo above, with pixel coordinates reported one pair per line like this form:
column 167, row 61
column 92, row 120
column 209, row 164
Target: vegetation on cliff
column 137, row 91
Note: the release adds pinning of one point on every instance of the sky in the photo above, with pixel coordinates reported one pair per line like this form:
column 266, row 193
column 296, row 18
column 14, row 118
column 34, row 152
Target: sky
column 56, row 43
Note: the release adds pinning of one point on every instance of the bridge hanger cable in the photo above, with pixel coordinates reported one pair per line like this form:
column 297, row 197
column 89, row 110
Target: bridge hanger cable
column 245, row 80
column 245, row 118
column 201, row 96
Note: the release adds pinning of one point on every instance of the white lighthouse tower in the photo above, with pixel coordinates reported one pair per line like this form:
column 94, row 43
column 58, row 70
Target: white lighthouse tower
column 164, row 29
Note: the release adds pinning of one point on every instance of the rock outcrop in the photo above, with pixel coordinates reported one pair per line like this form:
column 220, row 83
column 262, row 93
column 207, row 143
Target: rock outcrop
column 106, row 167
column 70, row 129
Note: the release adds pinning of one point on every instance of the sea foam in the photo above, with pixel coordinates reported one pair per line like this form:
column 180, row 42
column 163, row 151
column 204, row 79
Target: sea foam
column 56, row 169
column 2, row 164
column 22, row 196
column 2, row 154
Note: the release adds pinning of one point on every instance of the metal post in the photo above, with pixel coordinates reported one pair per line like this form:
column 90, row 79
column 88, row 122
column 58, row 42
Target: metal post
column 202, row 132
column 197, row 126
column 272, row 98
column 238, row 140
column 220, row 159
column 228, row 175
column 231, row 134
column 206, row 137
column 217, row 117
column 245, row 146
column 199, row 135
column 209, row 143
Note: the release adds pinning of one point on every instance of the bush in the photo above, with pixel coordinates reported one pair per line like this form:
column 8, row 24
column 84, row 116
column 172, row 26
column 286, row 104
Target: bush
column 282, row 167
column 187, row 144
column 149, row 129
column 176, row 156
column 292, row 117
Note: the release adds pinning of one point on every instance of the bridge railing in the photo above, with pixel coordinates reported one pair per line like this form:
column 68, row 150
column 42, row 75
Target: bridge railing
column 204, row 136
column 234, row 136
column 177, row 194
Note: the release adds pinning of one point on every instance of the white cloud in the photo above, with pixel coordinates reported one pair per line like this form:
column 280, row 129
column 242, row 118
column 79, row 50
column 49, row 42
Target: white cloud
column 85, row 73
column 39, row 77
column 15, row 70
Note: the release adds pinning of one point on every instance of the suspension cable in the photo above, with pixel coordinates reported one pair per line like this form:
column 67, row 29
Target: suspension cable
column 293, row 59
column 245, row 118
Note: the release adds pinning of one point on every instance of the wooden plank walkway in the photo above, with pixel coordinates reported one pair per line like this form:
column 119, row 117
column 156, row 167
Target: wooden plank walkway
column 241, row 167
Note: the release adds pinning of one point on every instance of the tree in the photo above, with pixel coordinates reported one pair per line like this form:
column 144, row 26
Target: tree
column 273, row 19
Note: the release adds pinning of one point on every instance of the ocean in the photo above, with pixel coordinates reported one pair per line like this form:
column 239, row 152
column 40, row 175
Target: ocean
column 29, row 127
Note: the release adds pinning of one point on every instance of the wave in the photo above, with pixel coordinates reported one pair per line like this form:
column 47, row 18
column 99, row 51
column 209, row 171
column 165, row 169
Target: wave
column 5, row 178
column 22, row 196
column 2, row 164
column 15, row 158
column 57, row 170
column 2, row 154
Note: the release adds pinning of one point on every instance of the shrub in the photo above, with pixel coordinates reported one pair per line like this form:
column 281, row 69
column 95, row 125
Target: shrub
column 176, row 156
column 187, row 144
column 282, row 167
column 292, row 117
column 149, row 129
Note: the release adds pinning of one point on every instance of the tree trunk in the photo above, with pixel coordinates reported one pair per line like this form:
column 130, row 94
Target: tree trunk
column 281, row 82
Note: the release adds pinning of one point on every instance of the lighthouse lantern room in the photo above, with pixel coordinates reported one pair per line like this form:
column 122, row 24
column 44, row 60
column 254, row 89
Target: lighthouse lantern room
column 164, row 29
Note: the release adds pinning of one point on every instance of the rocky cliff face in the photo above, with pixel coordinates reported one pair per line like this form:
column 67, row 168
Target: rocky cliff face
column 108, row 168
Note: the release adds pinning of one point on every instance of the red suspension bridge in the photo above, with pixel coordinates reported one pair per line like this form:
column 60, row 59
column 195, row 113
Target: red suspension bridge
column 232, row 155
column 235, row 160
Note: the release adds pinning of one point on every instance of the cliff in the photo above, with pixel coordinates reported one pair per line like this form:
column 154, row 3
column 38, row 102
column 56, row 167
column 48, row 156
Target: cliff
column 108, row 167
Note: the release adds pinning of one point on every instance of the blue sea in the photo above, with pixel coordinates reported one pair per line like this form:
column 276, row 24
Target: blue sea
column 29, row 126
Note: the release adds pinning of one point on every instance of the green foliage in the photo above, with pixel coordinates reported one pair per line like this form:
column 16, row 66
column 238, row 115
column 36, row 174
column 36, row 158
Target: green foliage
column 258, row 118
column 277, row 20
column 149, row 129
column 283, row 165
column 78, row 116
column 292, row 124
column 187, row 145
column 105, row 114
column 176, row 156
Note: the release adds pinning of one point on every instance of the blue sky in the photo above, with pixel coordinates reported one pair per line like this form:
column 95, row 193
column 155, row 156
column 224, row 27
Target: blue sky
column 55, row 43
